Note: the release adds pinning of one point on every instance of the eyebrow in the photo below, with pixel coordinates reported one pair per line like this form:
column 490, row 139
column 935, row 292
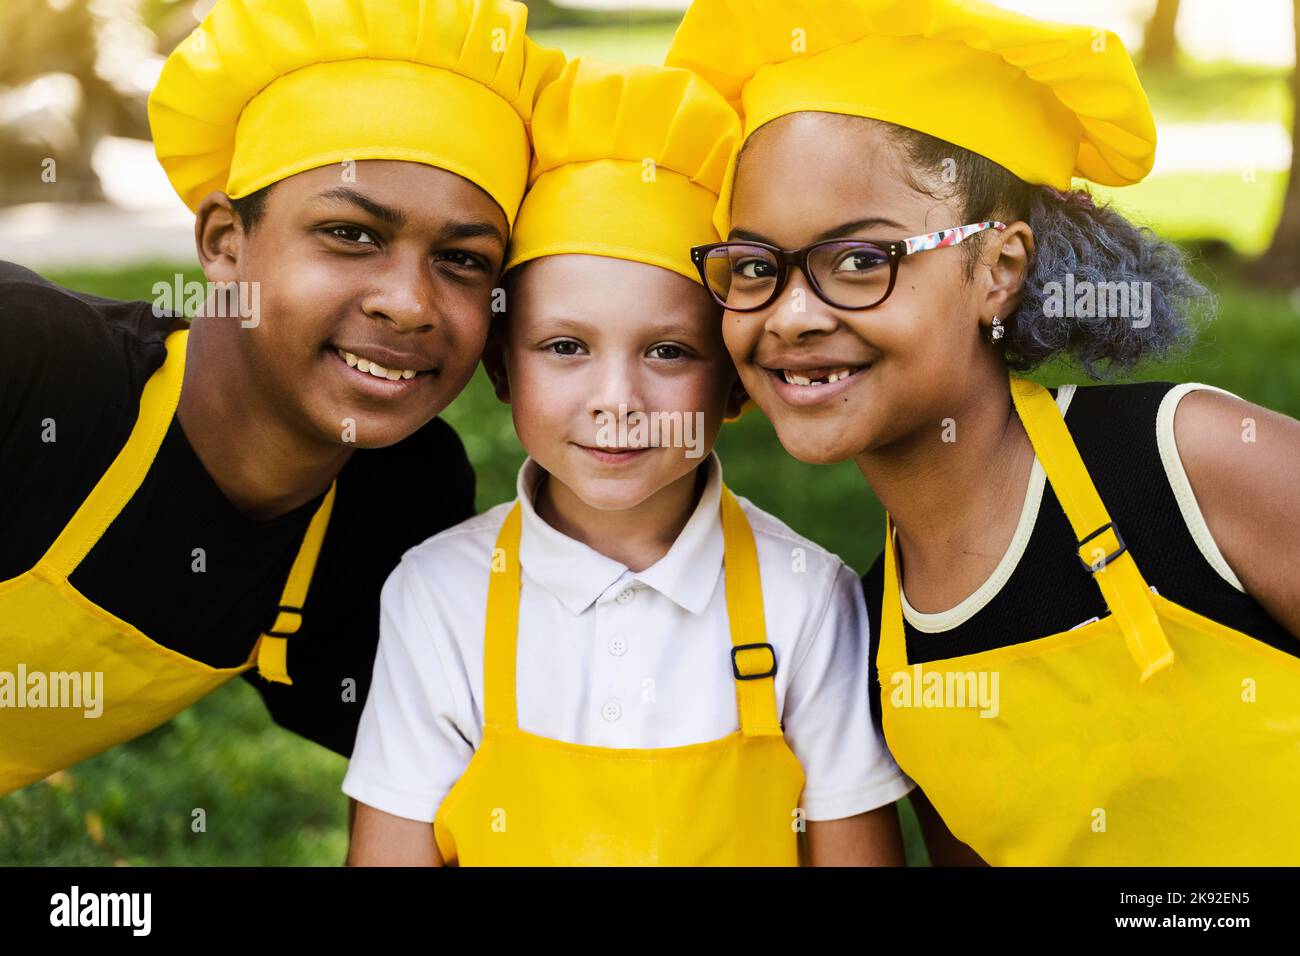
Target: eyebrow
column 465, row 229
column 837, row 232
column 562, row 324
column 346, row 196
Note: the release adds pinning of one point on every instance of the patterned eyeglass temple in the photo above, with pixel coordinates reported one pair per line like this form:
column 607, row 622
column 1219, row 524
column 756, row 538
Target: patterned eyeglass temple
column 947, row 237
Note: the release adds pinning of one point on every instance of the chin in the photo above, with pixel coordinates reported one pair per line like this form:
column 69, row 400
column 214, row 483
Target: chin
column 369, row 430
column 608, row 494
column 811, row 448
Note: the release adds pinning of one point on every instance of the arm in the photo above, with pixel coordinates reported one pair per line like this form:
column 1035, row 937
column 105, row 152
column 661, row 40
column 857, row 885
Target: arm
column 1247, row 491
column 873, row 838
column 944, row 848
column 352, row 825
column 381, row 839
column 410, row 749
column 851, row 781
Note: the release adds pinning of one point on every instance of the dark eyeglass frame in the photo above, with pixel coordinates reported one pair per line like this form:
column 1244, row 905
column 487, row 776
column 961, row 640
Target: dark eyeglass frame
column 893, row 249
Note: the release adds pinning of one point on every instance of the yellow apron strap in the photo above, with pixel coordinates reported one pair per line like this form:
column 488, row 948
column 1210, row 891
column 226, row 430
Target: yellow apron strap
column 892, row 654
column 116, row 486
column 1101, row 548
column 501, row 632
column 753, row 660
column 272, row 647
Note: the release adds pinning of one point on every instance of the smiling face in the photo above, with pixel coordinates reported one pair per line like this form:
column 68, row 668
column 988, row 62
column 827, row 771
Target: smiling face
column 588, row 334
column 906, row 358
column 374, row 295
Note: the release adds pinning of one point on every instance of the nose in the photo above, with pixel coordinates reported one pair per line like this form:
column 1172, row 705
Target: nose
column 615, row 385
column 798, row 310
column 402, row 292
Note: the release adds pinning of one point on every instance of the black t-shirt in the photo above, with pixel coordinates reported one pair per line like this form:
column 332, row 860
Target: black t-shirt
column 1050, row 590
column 73, row 367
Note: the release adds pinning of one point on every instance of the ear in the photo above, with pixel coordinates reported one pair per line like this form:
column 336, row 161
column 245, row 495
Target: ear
column 219, row 238
column 494, row 363
column 1007, row 260
column 736, row 399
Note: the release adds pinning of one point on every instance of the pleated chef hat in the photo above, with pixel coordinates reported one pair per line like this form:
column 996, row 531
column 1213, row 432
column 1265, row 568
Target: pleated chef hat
column 628, row 163
column 265, row 89
column 1048, row 101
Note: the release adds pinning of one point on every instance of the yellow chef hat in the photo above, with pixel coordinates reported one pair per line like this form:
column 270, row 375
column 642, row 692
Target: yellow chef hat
column 628, row 162
column 1048, row 101
column 264, row 89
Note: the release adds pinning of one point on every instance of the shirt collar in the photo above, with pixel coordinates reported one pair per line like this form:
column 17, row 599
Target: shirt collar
column 578, row 575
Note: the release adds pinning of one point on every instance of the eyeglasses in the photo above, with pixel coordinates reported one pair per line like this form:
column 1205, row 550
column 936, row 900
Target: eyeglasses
column 844, row 273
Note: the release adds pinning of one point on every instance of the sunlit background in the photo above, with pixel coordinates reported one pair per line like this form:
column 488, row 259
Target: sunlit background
column 74, row 78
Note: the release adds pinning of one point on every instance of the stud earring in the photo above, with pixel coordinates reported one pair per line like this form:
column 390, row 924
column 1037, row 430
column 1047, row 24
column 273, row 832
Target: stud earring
column 997, row 331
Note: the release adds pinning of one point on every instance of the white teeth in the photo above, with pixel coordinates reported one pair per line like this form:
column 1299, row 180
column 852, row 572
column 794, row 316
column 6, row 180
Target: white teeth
column 374, row 368
column 796, row 379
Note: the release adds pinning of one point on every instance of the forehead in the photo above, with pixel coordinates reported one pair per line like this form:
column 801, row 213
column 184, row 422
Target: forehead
column 419, row 191
column 608, row 294
column 805, row 173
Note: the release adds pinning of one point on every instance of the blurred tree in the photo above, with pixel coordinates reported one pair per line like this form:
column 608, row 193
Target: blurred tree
column 68, row 78
column 1280, row 264
column 1159, row 40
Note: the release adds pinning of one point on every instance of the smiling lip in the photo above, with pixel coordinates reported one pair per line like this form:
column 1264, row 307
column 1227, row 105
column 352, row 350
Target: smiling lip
column 374, row 386
column 614, row 456
column 813, row 394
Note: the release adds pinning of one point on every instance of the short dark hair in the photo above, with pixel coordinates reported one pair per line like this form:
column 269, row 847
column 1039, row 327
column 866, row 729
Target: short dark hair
column 250, row 208
column 1072, row 234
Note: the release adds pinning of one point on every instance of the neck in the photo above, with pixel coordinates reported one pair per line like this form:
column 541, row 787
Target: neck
column 265, row 465
column 955, row 503
column 636, row 537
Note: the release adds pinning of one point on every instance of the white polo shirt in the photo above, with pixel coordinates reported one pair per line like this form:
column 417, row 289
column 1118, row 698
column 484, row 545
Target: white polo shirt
column 611, row 657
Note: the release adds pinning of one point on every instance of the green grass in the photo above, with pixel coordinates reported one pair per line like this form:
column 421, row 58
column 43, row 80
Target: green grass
column 1238, row 208
column 1197, row 91
column 267, row 798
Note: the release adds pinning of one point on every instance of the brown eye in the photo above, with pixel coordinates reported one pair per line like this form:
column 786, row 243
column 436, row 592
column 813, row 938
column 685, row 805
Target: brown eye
column 465, row 260
column 352, row 234
column 559, row 347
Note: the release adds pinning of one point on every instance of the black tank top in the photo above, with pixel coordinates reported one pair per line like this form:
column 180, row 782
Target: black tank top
column 1049, row 590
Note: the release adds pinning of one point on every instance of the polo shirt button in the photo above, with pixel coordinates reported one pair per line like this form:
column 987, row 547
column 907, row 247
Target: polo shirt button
column 625, row 596
column 617, row 646
column 612, row 710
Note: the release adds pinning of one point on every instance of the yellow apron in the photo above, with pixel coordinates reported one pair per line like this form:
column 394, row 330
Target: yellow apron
column 527, row 800
column 1152, row 736
column 48, row 627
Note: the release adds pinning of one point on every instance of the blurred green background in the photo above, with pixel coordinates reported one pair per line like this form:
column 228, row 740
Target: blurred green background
column 272, row 798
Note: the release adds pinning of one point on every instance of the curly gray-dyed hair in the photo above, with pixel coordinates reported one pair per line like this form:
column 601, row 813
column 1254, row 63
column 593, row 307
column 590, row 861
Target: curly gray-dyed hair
column 1073, row 237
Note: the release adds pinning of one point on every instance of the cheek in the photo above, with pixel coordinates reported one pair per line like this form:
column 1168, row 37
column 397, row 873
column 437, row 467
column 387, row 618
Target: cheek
column 299, row 299
column 465, row 334
column 713, row 387
column 740, row 334
column 925, row 321
column 543, row 397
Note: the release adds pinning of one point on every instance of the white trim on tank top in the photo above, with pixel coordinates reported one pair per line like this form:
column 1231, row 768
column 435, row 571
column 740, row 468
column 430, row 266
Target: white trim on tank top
column 964, row 610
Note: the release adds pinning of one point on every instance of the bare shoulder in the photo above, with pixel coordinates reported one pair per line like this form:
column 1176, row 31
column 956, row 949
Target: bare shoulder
column 1231, row 447
column 1243, row 461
